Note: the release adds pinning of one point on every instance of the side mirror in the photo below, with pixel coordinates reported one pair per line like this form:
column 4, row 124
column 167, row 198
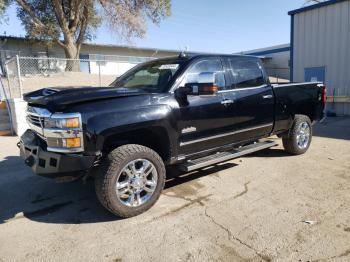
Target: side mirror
column 205, row 85
column 201, row 89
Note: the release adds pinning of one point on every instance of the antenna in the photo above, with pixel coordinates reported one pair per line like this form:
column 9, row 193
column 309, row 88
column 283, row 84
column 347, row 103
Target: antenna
column 182, row 54
column 154, row 53
column 184, row 51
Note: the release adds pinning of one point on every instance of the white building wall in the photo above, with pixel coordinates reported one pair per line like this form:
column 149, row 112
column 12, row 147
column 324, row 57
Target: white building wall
column 18, row 115
column 110, row 68
column 322, row 39
column 278, row 64
column 25, row 47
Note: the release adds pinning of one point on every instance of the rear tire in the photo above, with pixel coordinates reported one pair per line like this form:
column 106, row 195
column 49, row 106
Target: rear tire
column 299, row 138
column 130, row 180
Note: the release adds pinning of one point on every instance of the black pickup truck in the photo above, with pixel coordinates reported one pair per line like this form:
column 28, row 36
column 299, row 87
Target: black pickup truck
column 189, row 112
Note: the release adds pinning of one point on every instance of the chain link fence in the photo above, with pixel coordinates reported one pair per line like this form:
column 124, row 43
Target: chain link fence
column 12, row 82
column 26, row 74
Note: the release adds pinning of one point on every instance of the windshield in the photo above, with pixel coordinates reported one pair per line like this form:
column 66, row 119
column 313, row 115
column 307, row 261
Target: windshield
column 153, row 77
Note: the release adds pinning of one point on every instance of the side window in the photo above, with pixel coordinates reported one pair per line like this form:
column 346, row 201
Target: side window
column 246, row 73
column 205, row 66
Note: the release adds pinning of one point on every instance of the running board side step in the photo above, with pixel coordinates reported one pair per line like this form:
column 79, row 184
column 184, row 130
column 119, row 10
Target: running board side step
column 219, row 157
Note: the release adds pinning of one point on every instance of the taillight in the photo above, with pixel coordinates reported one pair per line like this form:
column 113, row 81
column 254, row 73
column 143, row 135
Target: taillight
column 325, row 95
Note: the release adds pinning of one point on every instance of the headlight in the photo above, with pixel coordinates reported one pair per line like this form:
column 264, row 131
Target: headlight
column 62, row 122
column 64, row 133
column 73, row 142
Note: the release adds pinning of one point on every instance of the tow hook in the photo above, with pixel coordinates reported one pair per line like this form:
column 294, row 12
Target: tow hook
column 19, row 144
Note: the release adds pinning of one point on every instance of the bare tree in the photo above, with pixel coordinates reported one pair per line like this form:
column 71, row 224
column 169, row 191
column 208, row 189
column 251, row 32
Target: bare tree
column 3, row 5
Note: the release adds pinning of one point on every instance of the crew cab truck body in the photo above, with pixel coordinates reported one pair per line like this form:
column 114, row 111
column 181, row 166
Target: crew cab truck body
column 189, row 111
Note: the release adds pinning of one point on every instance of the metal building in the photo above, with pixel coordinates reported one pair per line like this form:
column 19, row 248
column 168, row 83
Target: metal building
column 320, row 50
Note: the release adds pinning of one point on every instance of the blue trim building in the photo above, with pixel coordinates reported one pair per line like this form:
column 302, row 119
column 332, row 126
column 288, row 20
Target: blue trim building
column 298, row 11
column 320, row 49
column 270, row 51
column 311, row 7
column 276, row 60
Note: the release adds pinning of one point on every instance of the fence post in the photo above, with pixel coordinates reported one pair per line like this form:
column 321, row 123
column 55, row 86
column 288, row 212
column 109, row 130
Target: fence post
column 19, row 76
column 99, row 73
column 8, row 80
column 7, row 102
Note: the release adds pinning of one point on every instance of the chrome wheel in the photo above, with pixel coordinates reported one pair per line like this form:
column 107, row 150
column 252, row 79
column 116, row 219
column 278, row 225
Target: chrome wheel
column 303, row 135
column 136, row 182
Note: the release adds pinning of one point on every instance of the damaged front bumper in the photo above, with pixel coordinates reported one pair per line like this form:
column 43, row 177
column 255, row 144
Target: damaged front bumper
column 48, row 164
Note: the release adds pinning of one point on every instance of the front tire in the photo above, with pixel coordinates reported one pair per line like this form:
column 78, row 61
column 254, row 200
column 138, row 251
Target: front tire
column 299, row 137
column 130, row 180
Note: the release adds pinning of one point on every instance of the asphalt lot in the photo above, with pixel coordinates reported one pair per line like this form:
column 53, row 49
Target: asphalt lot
column 248, row 209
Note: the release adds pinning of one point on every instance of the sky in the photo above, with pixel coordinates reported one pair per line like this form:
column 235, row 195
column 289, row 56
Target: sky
column 220, row 26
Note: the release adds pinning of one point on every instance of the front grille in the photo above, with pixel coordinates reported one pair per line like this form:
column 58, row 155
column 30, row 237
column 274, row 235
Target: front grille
column 36, row 120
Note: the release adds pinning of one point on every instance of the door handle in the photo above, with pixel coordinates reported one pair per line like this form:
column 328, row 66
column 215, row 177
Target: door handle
column 227, row 102
column 267, row 96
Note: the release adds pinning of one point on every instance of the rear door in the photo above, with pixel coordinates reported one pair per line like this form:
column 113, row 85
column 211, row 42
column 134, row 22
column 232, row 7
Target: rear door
column 253, row 97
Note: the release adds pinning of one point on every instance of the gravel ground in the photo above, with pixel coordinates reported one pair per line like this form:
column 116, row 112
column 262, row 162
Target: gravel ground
column 248, row 209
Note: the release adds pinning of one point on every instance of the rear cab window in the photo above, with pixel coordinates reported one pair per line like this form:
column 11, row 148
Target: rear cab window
column 245, row 73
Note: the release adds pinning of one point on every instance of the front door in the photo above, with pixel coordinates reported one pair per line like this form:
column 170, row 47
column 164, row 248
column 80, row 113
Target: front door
column 204, row 119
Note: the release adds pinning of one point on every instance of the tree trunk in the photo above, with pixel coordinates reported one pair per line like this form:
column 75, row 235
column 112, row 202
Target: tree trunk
column 72, row 52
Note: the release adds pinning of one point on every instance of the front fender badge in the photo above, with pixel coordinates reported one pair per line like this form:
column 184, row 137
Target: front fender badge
column 189, row 130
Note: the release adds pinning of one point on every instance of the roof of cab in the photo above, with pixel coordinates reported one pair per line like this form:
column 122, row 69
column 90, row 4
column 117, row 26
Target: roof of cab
column 192, row 56
column 196, row 55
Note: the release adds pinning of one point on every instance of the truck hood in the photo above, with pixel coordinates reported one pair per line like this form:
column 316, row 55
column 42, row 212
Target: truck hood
column 53, row 98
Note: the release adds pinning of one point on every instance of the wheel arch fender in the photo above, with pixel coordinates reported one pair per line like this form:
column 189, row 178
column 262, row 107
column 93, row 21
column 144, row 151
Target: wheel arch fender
column 153, row 126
